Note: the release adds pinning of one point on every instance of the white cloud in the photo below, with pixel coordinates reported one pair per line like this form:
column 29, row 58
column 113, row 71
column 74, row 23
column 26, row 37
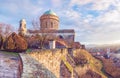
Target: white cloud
column 96, row 4
column 80, row 2
column 101, row 29
column 102, row 4
column 105, row 28
column 23, row 6
column 89, row 28
column 56, row 3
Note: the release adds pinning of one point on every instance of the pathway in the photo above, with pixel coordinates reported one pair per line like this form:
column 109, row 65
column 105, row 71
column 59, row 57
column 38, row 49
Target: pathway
column 33, row 69
column 8, row 66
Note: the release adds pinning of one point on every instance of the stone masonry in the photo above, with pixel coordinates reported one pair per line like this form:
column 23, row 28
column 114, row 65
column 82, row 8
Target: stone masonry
column 34, row 69
column 52, row 59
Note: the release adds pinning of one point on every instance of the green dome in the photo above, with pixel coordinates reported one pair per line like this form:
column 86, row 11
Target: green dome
column 50, row 12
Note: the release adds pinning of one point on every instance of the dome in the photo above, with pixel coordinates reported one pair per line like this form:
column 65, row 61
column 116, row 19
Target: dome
column 50, row 12
column 49, row 20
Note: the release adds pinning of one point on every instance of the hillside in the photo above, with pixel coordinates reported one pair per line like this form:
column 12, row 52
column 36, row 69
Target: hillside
column 77, row 63
column 89, row 69
column 110, row 67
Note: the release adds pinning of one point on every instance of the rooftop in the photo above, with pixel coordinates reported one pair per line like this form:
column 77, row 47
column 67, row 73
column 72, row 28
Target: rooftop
column 50, row 12
column 53, row 31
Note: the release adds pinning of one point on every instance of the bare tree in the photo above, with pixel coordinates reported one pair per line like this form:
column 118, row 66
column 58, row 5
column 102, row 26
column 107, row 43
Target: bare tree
column 5, row 29
column 1, row 28
column 42, row 39
column 8, row 29
column 1, row 41
column 36, row 24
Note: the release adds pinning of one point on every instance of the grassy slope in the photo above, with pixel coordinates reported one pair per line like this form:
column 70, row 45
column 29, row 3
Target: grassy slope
column 93, row 64
column 10, row 53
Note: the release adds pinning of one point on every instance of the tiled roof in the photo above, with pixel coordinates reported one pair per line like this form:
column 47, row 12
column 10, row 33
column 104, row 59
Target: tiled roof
column 76, row 45
column 52, row 31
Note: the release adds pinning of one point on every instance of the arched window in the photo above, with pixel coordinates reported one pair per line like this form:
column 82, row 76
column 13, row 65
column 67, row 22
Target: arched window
column 46, row 24
column 51, row 24
column 61, row 37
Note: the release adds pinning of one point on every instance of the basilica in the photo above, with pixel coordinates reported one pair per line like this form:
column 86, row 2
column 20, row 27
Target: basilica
column 49, row 24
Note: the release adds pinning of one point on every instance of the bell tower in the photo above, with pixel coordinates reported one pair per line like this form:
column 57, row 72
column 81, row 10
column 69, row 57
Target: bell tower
column 22, row 27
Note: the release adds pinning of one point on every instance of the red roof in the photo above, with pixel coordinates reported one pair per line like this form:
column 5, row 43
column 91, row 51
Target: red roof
column 76, row 45
column 52, row 31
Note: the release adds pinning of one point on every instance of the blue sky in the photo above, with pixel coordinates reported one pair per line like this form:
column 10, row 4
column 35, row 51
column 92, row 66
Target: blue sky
column 95, row 21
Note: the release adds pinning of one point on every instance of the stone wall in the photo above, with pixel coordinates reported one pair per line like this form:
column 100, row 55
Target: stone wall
column 60, row 62
column 33, row 69
column 53, row 61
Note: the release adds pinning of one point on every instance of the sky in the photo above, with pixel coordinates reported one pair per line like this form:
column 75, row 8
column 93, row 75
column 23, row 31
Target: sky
column 94, row 21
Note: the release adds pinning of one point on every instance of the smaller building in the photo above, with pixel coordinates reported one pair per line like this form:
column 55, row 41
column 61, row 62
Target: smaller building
column 52, row 44
column 76, row 45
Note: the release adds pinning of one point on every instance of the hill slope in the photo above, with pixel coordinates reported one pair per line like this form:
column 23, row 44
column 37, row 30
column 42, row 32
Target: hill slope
column 77, row 63
column 86, row 65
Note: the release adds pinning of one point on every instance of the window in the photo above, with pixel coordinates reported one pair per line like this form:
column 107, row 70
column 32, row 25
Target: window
column 61, row 37
column 46, row 24
column 51, row 24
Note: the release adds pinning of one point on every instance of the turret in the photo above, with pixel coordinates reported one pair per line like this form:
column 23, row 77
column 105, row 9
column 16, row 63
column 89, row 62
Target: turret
column 22, row 27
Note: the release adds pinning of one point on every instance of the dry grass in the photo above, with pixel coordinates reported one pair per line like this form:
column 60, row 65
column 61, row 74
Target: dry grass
column 92, row 63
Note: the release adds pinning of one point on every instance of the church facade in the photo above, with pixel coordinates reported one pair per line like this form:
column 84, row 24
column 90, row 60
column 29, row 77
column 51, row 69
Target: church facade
column 49, row 24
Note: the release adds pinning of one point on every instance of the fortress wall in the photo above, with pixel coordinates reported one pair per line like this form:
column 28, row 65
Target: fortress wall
column 51, row 59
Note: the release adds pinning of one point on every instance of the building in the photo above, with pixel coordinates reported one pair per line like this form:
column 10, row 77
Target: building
column 49, row 25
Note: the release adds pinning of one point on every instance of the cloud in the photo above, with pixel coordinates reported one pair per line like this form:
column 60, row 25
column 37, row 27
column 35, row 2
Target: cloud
column 94, row 21
column 80, row 2
column 95, row 4
column 105, row 28
column 56, row 3
column 21, row 6
column 102, row 4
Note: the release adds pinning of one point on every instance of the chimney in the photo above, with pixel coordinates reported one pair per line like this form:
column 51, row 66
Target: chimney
column 52, row 44
column 83, row 47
